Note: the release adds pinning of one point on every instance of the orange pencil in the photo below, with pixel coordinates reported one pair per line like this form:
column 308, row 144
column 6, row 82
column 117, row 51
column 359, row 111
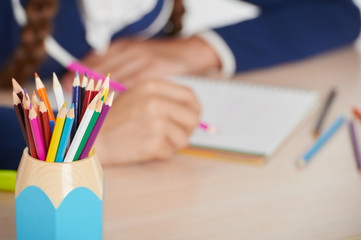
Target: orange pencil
column 42, row 93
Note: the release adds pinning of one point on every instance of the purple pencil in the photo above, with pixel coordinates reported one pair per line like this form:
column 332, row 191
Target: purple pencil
column 355, row 145
column 93, row 135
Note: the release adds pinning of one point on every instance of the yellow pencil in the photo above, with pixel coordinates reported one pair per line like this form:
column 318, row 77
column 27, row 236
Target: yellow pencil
column 55, row 138
column 105, row 87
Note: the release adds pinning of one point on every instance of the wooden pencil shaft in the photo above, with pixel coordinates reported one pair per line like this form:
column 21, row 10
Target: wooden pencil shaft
column 30, row 135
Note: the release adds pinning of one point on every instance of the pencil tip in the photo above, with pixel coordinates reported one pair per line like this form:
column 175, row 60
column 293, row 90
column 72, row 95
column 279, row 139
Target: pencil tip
column 76, row 73
column 85, row 74
column 72, row 106
column 36, row 75
column 26, row 92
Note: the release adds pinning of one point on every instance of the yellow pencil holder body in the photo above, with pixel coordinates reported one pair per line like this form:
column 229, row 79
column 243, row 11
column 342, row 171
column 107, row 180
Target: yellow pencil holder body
column 59, row 200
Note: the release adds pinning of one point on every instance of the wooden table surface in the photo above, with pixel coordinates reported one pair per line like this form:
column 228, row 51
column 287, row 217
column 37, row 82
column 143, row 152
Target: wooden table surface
column 195, row 198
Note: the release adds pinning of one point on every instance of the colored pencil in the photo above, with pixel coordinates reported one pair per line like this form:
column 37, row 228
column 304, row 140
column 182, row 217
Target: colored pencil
column 20, row 116
column 355, row 145
column 18, row 89
column 76, row 102
column 84, row 84
column 45, row 124
column 52, row 125
column 76, row 66
column 55, row 138
column 323, row 113
column 357, row 113
column 58, row 91
column 89, row 129
column 81, row 130
column 86, row 100
column 96, row 129
column 105, row 87
column 35, row 102
column 42, row 93
column 98, row 87
column 65, row 135
column 320, row 142
column 35, row 129
column 26, row 106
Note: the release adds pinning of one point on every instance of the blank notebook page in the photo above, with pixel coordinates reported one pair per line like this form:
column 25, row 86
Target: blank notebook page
column 249, row 118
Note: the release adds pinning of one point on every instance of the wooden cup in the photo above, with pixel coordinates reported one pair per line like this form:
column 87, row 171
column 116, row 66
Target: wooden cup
column 59, row 200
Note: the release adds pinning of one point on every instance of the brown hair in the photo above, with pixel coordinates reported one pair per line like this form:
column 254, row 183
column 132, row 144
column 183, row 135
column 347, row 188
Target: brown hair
column 175, row 21
column 31, row 51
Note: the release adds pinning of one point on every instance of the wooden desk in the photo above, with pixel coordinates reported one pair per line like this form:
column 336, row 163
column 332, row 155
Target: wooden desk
column 192, row 198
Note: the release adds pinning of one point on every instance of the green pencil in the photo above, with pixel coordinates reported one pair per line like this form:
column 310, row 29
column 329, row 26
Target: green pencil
column 89, row 129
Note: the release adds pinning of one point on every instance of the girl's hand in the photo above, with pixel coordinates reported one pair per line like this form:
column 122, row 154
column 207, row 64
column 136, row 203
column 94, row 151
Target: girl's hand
column 152, row 120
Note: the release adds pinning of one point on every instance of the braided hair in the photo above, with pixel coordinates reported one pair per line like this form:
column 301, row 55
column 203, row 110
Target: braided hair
column 30, row 52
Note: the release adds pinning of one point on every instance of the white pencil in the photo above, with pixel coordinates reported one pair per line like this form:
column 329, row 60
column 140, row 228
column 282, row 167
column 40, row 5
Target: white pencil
column 81, row 129
column 58, row 91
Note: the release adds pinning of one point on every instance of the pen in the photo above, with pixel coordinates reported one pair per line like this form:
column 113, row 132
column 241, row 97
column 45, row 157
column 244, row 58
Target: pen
column 324, row 111
column 320, row 142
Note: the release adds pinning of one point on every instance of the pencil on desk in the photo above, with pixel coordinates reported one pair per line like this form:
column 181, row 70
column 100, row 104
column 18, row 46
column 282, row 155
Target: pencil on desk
column 320, row 142
column 81, row 130
column 89, row 129
column 42, row 93
column 58, row 91
column 324, row 111
column 76, row 102
column 35, row 129
column 355, row 145
column 26, row 106
column 45, row 124
column 55, row 138
column 357, row 113
column 20, row 116
column 65, row 135
column 96, row 129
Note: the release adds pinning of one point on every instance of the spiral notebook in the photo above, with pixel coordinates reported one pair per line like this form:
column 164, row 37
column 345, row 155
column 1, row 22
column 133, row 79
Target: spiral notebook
column 252, row 120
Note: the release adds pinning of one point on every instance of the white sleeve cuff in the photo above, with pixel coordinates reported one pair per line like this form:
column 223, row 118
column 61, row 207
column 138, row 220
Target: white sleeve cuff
column 223, row 51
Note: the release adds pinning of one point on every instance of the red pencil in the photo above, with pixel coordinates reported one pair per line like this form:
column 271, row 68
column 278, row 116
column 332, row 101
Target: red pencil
column 88, row 93
column 36, row 131
column 45, row 124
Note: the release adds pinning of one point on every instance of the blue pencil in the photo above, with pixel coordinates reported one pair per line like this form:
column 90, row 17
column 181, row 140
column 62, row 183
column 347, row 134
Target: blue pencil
column 320, row 142
column 76, row 101
column 65, row 135
column 52, row 124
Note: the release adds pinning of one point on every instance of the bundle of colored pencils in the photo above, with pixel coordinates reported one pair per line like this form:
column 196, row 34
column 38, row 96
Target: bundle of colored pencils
column 72, row 134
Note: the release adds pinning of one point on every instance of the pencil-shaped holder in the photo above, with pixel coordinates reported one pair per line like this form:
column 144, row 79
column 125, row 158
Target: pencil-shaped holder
column 59, row 200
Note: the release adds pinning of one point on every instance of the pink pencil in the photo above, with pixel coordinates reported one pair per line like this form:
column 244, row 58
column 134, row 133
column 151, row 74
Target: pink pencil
column 76, row 66
column 38, row 139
